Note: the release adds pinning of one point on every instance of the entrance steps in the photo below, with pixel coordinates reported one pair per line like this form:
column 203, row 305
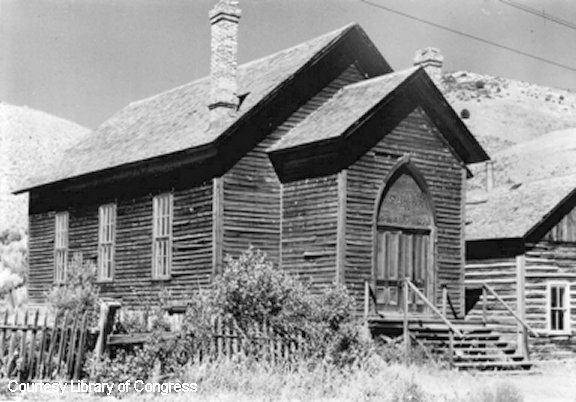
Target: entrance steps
column 480, row 347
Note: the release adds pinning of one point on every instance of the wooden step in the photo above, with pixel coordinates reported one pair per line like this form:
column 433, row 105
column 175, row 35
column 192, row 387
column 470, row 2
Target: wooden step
column 507, row 351
column 495, row 365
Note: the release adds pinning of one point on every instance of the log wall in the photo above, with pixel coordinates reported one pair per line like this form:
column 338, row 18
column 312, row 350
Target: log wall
column 500, row 275
column 545, row 262
column 550, row 262
column 417, row 137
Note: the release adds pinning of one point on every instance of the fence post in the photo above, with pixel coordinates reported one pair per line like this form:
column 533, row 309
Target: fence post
column 107, row 312
column 405, row 326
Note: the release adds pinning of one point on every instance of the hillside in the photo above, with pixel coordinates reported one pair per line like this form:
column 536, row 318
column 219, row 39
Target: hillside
column 504, row 112
column 29, row 140
column 550, row 155
column 528, row 130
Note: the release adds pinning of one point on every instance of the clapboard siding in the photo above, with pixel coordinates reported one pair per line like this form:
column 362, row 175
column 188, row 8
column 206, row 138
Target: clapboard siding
column 251, row 213
column 415, row 136
column 309, row 225
column 41, row 255
column 252, row 191
column 192, row 246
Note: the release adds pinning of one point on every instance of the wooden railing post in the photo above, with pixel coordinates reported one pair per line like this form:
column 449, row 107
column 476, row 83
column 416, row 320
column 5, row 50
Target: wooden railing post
column 366, row 300
column 524, row 343
column 406, row 329
column 484, row 302
column 451, row 348
column 444, row 299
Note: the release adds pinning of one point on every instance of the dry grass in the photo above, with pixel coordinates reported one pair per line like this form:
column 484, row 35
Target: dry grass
column 375, row 381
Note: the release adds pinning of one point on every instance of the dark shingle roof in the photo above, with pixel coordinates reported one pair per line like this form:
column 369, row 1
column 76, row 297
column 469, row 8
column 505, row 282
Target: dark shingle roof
column 343, row 110
column 513, row 212
column 178, row 119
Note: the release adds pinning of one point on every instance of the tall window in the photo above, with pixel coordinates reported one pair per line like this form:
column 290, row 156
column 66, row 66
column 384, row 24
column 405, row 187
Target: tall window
column 60, row 247
column 559, row 308
column 106, row 241
column 162, row 236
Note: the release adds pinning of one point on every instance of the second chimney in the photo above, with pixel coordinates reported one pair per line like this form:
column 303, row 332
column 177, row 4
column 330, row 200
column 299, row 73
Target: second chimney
column 224, row 19
column 431, row 59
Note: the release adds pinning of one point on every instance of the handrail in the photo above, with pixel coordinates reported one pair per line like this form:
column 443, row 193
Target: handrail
column 432, row 307
column 520, row 320
column 452, row 307
column 369, row 295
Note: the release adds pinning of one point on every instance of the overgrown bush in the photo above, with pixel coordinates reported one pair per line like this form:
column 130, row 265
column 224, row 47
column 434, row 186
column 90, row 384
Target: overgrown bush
column 253, row 293
column 79, row 293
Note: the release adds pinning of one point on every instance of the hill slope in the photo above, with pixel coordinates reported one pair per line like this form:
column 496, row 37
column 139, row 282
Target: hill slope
column 505, row 112
column 29, row 141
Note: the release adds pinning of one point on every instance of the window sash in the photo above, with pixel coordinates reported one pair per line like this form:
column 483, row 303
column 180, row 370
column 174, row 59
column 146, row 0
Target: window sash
column 106, row 241
column 559, row 307
column 61, row 221
column 61, row 230
column 162, row 236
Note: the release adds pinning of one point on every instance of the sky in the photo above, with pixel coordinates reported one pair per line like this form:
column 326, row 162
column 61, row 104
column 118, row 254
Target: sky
column 84, row 60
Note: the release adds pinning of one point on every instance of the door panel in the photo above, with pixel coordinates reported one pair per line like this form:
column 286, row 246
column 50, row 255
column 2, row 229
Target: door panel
column 401, row 254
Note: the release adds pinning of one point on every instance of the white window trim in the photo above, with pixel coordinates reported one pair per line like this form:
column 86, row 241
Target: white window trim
column 168, row 274
column 102, row 242
column 567, row 321
column 60, row 277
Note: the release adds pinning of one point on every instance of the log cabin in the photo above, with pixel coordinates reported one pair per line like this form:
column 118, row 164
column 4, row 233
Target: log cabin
column 340, row 169
column 521, row 242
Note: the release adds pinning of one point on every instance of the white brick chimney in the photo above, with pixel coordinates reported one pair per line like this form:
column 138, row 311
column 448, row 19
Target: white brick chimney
column 224, row 19
column 431, row 59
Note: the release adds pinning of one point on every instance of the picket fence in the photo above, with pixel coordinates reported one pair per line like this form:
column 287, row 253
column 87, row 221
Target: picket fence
column 37, row 345
column 226, row 341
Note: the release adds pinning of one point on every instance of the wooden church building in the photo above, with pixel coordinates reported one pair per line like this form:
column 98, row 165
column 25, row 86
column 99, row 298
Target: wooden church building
column 340, row 169
column 521, row 242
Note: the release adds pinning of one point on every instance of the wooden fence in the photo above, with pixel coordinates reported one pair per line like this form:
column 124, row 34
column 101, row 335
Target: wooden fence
column 225, row 341
column 35, row 345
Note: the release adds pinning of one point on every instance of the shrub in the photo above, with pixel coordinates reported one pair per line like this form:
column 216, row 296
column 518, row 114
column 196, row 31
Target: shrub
column 253, row 293
column 13, row 260
column 79, row 294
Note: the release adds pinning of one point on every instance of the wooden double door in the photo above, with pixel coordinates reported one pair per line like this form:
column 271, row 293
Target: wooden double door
column 403, row 253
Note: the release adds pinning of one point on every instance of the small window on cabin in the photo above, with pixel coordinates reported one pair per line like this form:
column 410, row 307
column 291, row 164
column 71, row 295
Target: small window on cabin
column 162, row 239
column 106, row 241
column 559, row 308
column 60, row 246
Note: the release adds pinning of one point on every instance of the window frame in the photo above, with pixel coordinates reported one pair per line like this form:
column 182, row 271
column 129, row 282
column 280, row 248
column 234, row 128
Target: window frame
column 107, row 240
column 566, row 307
column 165, row 235
column 61, row 246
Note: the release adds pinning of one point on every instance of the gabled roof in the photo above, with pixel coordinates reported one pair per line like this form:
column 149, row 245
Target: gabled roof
column 343, row 111
column 338, row 123
column 178, row 120
column 518, row 211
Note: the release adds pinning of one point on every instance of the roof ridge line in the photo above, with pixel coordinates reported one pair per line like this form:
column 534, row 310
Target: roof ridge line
column 341, row 30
